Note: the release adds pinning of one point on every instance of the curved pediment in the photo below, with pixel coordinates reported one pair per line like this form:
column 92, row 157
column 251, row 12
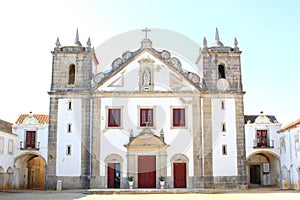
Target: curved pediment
column 147, row 138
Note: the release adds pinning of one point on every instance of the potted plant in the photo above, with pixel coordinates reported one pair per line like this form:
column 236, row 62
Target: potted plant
column 162, row 181
column 130, row 181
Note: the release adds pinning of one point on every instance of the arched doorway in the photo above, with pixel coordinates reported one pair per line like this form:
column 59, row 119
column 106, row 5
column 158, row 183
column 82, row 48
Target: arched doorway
column 114, row 171
column 263, row 169
column 31, row 171
column 179, row 168
column 147, row 159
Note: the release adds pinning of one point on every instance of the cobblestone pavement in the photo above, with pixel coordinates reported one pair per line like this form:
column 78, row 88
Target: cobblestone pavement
column 80, row 195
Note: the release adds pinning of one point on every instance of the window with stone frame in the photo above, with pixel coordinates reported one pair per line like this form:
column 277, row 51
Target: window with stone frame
column 30, row 139
column 179, row 117
column 114, row 117
column 221, row 71
column 71, row 74
column 146, row 117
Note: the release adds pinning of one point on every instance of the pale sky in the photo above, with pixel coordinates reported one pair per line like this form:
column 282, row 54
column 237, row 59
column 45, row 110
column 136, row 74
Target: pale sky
column 267, row 31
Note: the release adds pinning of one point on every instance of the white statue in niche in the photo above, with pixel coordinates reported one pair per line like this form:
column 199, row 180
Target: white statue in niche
column 146, row 77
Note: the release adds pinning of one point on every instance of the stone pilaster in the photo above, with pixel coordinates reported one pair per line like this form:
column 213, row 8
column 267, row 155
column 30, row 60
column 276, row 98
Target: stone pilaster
column 96, row 141
column 207, row 142
column 85, row 141
column 52, row 148
column 240, row 140
column 197, row 143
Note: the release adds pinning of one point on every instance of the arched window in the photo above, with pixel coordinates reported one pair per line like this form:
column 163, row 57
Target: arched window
column 71, row 74
column 221, row 71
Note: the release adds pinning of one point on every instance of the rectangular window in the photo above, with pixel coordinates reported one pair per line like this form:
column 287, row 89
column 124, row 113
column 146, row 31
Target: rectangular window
column 10, row 147
column 68, row 150
column 223, row 127
column 114, row 117
column 178, row 117
column 30, row 139
column 69, row 105
column 224, row 149
column 146, row 117
column 1, row 145
column 69, row 127
column 223, row 105
column 262, row 138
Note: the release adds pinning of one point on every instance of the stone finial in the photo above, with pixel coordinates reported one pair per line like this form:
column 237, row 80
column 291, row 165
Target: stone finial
column 236, row 48
column 217, row 39
column 88, row 43
column 77, row 42
column 235, row 42
column 131, row 137
column 162, row 135
column 57, row 44
column 204, row 42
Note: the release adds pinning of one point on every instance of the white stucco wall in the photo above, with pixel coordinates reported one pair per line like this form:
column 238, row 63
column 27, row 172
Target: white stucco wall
column 41, row 138
column 250, row 135
column 114, row 139
column 290, row 157
column 224, row 165
column 69, row 165
column 6, row 155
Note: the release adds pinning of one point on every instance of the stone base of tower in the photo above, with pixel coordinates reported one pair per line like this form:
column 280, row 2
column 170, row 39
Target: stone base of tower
column 67, row 182
column 225, row 182
column 95, row 182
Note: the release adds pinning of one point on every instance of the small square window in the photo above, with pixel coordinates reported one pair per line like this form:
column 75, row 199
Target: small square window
column 224, row 149
column 146, row 117
column 114, row 117
column 178, row 117
column 68, row 150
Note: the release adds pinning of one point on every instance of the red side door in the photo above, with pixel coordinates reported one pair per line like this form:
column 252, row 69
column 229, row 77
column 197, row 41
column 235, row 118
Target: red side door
column 147, row 172
column 179, row 170
column 110, row 175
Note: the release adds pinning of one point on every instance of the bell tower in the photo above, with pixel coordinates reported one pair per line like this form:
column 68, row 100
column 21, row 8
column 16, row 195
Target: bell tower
column 223, row 114
column 69, row 137
column 72, row 66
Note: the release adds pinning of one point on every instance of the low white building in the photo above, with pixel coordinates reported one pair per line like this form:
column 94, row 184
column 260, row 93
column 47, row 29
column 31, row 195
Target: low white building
column 7, row 152
column 31, row 150
column 262, row 149
column 290, row 155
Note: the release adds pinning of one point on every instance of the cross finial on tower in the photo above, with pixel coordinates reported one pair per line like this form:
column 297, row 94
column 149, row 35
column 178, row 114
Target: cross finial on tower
column 146, row 30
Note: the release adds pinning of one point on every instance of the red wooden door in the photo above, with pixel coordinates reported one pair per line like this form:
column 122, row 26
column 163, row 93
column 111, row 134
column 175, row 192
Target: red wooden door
column 110, row 175
column 179, row 170
column 147, row 172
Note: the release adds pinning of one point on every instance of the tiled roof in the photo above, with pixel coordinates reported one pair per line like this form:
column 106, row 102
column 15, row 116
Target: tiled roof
column 5, row 126
column 291, row 125
column 41, row 118
column 253, row 117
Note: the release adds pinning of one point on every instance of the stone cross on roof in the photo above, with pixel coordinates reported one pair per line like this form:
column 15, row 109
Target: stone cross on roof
column 146, row 30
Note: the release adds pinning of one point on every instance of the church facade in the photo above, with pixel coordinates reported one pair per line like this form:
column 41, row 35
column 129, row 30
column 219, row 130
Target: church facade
column 146, row 117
